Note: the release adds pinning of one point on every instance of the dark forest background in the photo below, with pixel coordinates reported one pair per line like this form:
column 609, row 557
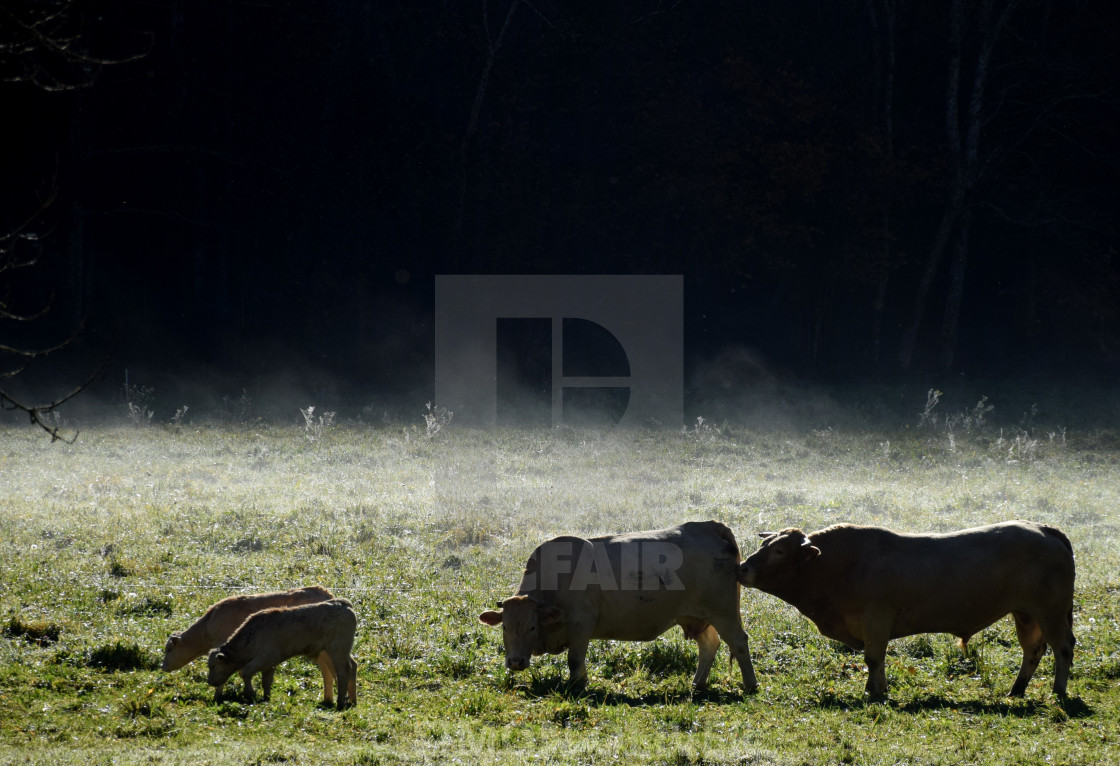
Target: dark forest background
column 223, row 193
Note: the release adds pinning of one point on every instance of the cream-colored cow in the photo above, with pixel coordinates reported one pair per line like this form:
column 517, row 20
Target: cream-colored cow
column 630, row 587
column 864, row 586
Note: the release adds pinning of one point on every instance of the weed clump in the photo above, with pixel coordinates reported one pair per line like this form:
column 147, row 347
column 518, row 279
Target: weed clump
column 249, row 545
column 39, row 632
column 147, row 607
column 121, row 656
column 120, row 569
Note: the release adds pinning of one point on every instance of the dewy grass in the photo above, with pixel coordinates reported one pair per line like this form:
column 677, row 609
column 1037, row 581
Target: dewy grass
column 108, row 545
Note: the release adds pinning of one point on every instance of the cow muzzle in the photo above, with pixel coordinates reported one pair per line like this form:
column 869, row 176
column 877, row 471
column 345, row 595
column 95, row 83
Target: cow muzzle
column 517, row 663
column 746, row 575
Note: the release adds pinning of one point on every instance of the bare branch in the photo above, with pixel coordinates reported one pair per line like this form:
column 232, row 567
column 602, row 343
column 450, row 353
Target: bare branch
column 36, row 412
column 6, row 314
column 658, row 12
column 41, row 352
column 36, row 31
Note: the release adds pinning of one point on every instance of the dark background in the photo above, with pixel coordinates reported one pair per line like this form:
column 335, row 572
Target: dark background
column 257, row 195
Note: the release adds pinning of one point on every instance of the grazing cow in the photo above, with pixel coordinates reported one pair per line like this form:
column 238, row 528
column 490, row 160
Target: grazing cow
column 224, row 617
column 270, row 636
column 629, row 587
column 864, row 586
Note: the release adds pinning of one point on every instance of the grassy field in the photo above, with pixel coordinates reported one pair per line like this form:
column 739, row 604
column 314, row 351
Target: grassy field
column 108, row 545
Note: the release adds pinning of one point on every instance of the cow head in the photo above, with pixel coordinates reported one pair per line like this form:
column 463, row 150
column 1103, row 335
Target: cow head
column 778, row 560
column 525, row 624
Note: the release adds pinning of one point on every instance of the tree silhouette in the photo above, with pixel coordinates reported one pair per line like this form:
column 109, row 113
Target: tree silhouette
column 43, row 47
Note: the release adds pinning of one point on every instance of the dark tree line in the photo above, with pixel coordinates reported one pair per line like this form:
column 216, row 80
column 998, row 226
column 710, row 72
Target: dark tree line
column 850, row 187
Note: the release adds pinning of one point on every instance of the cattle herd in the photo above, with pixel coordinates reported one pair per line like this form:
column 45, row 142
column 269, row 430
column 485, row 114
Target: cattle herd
column 860, row 585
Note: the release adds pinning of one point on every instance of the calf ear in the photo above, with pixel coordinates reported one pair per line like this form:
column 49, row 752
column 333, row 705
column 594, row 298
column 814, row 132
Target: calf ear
column 551, row 615
column 766, row 535
column 174, row 639
column 490, row 617
column 809, row 552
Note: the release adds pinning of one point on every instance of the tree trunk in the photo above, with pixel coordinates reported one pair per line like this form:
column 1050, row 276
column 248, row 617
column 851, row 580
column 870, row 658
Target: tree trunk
column 957, row 269
column 466, row 146
column 966, row 163
column 883, row 48
column 949, row 216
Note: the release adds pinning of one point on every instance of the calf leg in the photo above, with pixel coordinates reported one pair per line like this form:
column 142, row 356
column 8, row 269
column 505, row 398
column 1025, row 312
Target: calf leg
column 707, row 641
column 247, row 693
column 343, row 666
column 353, row 688
column 266, row 682
column 735, row 637
column 263, row 664
column 326, row 668
column 1031, row 639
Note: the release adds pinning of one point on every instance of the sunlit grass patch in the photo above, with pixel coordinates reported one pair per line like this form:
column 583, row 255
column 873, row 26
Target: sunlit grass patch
column 423, row 534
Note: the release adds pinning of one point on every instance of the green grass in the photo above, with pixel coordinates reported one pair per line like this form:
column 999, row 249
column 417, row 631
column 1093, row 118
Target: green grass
column 108, row 545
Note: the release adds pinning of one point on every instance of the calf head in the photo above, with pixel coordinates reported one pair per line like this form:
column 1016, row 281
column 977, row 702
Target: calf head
column 778, row 560
column 525, row 624
column 176, row 654
column 220, row 666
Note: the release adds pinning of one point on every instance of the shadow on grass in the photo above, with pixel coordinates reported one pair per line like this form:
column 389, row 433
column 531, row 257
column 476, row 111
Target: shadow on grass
column 597, row 695
column 1072, row 707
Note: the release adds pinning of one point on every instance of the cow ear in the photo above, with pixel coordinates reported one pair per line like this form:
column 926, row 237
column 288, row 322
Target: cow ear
column 490, row 617
column 766, row 535
column 551, row 616
column 175, row 638
column 809, row 552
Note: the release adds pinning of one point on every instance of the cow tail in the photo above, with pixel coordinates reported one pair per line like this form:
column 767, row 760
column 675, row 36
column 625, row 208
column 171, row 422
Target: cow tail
column 726, row 533
column 1060, row 535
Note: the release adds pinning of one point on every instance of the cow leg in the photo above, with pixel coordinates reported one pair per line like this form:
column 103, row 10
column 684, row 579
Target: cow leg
column 1059, row 634
column 577, row 660
column 875, row 655
column 326, row 668
column 736, row 639
column 707, row 641
column 1034, row 645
